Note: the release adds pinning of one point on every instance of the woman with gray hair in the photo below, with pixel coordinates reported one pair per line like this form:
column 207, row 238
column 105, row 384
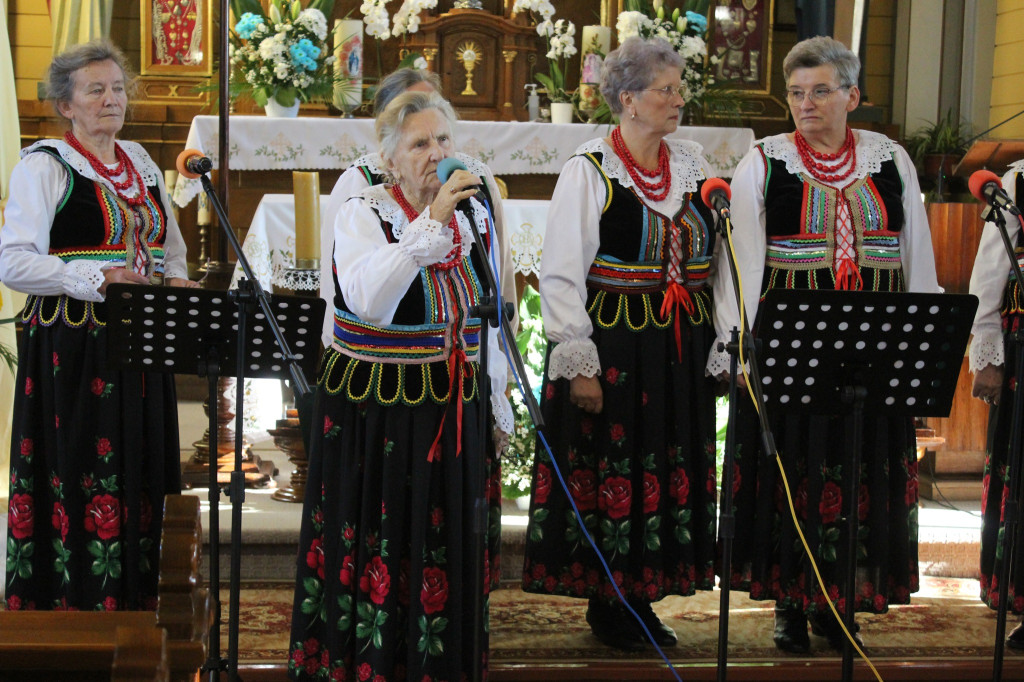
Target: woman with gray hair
column 385, row 547
column 369, row 170
column 824, row 207
column 94, row 448
column 627, row 314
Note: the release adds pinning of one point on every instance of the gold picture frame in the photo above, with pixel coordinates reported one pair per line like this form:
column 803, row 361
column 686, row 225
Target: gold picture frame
column 177, row 37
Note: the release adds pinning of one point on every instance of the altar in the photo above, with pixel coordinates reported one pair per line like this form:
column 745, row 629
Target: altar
column 507, row 147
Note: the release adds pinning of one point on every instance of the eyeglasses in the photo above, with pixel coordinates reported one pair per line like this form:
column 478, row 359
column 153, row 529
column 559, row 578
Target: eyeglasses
column 817, row 95
column 668, row 90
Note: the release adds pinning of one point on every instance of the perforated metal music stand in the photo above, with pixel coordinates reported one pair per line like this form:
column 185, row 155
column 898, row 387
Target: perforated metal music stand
column 858, row 353
column 195, row 331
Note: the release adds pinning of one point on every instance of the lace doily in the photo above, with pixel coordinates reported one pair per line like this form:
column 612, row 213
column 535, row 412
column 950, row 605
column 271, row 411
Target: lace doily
column 570, row 358
column 986, row 349
column 143, row 163
column 298, row 280
column 82, row 279
column 684, row 161
column 873, row 149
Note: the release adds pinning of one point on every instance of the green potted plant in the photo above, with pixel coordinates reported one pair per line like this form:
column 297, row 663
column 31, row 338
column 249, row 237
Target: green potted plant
column 936, row 148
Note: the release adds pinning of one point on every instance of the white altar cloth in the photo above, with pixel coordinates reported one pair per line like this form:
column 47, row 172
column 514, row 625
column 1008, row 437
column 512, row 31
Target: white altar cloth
column 507, row 147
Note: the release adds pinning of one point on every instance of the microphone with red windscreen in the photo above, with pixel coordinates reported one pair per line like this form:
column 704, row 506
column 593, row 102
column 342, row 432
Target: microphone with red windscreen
column 716, row 194
column 191, row 164
column 986, row 188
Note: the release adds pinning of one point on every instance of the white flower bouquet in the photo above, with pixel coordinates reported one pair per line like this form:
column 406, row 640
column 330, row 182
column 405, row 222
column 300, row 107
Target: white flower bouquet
column 281, row 54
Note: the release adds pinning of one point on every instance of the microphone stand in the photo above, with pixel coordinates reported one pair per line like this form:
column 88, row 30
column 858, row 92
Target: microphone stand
column 249, row 294
column 727, row 519
column 492, row 312
column 1010, row 542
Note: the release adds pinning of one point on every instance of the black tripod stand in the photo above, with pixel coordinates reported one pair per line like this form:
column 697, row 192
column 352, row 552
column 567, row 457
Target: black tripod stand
column 242, row 333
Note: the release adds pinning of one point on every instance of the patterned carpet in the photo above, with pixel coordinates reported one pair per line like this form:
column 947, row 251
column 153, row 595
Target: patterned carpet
column 945, row 620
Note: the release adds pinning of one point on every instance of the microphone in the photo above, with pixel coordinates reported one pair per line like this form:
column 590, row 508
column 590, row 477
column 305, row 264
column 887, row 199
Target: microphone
column 986, row 188
column 445, row 168
column 715, row 194
column 191, row 163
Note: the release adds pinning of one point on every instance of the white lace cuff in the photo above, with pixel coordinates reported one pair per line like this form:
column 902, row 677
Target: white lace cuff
column 986, row 349
column 719, row 361
column 426, row 241
column 504, row 419
column 570, row 358
column 83, row 278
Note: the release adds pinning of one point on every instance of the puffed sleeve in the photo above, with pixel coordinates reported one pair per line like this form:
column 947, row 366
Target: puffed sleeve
column 351, row 182
column 175, row 259
column 988, row 282
column 374, row 274
column 570, row 246
column 749, row 243
column 25, row 263
column 916, row 253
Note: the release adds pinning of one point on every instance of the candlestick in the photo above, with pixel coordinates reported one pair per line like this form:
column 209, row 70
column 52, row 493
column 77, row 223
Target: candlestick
column 348, row 64
column 306, row 187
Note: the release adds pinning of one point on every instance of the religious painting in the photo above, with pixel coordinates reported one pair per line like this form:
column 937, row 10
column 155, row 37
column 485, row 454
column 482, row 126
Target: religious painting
column 739, row 43
column 176, row 37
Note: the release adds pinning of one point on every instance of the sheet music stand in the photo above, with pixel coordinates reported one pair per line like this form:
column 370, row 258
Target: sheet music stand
column 860, row 353
column 196, row 331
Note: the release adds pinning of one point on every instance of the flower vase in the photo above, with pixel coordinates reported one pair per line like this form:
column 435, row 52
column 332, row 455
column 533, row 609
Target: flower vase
column 275, row 109
column 561, row 112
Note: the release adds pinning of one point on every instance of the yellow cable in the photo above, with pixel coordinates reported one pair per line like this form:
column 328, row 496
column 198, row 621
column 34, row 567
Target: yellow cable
column 782, row 470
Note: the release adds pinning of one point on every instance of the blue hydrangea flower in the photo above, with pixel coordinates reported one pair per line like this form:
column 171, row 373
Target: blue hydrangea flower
column 247, row 24
column 698, row 21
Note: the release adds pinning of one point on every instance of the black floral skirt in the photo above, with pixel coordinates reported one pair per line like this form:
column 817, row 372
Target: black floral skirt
column 94, row 451
column 642, row 472
column 385, row 548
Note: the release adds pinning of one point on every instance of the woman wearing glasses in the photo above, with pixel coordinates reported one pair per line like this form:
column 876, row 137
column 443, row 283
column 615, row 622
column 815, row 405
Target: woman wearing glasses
column 627, row 312
column 824, row 207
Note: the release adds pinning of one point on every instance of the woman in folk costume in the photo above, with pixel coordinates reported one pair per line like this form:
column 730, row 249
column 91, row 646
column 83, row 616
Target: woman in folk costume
column 383, row 585
column 824, row 207
column 627, row 312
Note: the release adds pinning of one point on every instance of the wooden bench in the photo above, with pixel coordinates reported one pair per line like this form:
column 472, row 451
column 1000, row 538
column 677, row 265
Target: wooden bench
column 122, row 646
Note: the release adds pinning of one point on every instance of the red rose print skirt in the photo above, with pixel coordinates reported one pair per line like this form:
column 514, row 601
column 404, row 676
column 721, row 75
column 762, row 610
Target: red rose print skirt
column 383, row 585
column 94, row 451
column 996, row 486
column 642, row 472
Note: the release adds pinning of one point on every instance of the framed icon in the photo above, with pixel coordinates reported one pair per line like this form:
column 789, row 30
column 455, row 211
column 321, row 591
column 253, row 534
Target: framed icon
column 177, row 37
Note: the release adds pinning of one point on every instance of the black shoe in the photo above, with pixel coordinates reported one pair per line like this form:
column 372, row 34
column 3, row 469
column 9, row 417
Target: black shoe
column 664, row 636
column 1015, row 640
column 791, row 631
column 615, row 626
column 824, row 624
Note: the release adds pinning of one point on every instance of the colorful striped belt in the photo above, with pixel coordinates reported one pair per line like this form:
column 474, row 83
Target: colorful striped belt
column 407, row 344
column 608, row 274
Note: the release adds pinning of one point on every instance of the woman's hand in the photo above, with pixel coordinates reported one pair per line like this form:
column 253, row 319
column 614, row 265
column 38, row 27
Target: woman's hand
column 460, row 185
column 585, row 392
column 182, row 282
column 121, row 276
column 988, row 384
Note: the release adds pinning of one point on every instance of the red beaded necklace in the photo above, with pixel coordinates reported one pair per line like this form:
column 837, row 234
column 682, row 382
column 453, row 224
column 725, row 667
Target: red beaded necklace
column 826, row 167
column 124, row 165
column 655, row 191
column 452, row 259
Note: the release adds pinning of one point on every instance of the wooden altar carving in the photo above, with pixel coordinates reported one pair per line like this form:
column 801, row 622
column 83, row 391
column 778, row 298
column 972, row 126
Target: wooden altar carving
column 484, row 60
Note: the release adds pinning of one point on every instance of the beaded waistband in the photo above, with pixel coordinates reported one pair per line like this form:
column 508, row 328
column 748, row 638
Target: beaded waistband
column 409, row 344
column 612, row 275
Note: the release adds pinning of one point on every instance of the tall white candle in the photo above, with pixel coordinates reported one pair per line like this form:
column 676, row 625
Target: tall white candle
column 348, row 54
column 596, row 39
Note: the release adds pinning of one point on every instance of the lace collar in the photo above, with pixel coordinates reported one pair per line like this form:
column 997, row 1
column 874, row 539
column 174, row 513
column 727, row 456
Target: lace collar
column 378, row 198
column 873, row 149
column 375, row 164
column 135, row 152
column 1016, row 167
column 684, row 160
